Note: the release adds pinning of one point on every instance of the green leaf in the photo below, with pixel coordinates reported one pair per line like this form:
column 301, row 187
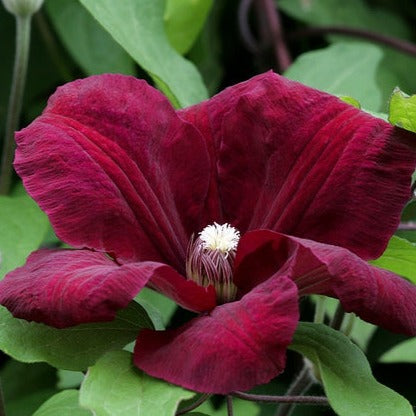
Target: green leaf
column 72, row 348
column 395, row 68
column 64, row 403
column 159, row 307
column 350, row 100
column 405, row 352
column 23, row 227
column 351, row 13
column 402, row 110
column 69, row 379
column 114, row 387
column 91, row 46
column 346, row 375
column 343, row 69
column 400, row 258
column 184, row 20
column 137, row 25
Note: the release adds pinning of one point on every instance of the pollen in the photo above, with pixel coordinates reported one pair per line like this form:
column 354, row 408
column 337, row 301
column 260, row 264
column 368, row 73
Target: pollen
column 221, row 237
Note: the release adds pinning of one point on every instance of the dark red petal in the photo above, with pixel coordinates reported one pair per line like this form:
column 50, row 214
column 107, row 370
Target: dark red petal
column 62, row 288
column 299, row 161
column 184, row 292
column 116, row 169
column 378, row 296
column 235, row 347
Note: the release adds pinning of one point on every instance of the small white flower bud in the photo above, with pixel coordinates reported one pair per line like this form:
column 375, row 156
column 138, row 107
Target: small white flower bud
column 22, row 8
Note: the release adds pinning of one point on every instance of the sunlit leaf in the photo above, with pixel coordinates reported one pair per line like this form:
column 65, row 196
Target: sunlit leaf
column 23, row 227
column 400, row 258
column 137, row 25
column 184, row 20
column 405, row 352
column 348, row 69
column 402, row 110
column 114, row 387
column 346, row 375
column 89, row 44
column 64, row 403
column 72, row 348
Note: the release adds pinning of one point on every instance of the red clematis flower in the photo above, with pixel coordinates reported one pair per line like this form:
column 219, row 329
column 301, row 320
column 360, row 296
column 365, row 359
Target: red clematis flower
column 233, row 208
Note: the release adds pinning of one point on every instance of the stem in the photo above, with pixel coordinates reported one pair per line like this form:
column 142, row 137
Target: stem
column 349, row 324
column 300, row 385
column 230, row 411
column 338, row 318
column 315, row 400
column 407, row 226
column 395, row 43
column 15, row 100
column 193, row 406
column 281, row 52
column 246, row 35
column 320, row 310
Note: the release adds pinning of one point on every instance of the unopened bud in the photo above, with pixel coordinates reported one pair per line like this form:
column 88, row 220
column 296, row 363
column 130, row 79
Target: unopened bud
column 22, row 8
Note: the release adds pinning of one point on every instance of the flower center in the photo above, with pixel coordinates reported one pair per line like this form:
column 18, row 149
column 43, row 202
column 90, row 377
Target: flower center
column 210, row 259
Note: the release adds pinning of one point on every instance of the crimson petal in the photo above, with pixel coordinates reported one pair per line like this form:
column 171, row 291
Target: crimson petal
column 376, row 295
column 116, row 169
column 299, row 161
column 63, row 288
column 235, row 347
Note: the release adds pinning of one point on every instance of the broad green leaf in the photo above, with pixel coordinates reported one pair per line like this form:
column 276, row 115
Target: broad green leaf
column 377, row 114
column 342, row 69
column 114, row 387
column 405, row 352
column 346, row 375
column 91, row 46
column 64, row 403
column 402, row 110
column 137, row 25
column 23, row 227
column 351, row 13
column 72, row 348
column 399, row 257
column 395, row 68
column 69, row 379
column 184, row 20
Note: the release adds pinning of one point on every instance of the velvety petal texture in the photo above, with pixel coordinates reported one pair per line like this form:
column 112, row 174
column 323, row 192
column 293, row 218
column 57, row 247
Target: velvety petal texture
column 376, row 295
column 62, row 288
column 116, row 169
column 235, row 347
column 292, row 159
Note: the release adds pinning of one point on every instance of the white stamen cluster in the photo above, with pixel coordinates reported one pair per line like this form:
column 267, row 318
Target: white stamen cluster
column 222, row 237
column 210, row 259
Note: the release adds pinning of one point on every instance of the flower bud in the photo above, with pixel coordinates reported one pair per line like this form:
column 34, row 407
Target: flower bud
column 22, row 8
